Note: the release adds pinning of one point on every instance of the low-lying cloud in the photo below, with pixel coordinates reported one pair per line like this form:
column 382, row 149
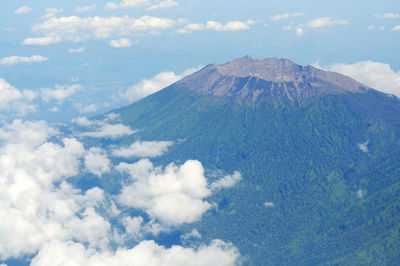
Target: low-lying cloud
column 143, row 149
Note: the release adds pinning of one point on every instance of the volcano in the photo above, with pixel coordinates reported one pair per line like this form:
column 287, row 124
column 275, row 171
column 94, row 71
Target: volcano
column 318, row 151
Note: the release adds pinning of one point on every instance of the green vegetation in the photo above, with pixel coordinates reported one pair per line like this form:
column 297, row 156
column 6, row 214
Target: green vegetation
column 334, row 204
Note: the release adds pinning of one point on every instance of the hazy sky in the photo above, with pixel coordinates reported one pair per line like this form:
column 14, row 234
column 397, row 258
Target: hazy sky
column 106, row 47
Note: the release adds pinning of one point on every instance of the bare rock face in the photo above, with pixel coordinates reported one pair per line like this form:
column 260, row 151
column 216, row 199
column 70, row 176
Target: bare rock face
column 260, row 79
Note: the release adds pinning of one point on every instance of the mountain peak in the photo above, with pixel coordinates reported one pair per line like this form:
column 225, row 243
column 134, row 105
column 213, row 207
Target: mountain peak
column 271, row 69
column 246, row 77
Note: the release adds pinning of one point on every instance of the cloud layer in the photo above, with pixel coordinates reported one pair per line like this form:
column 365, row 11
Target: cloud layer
column 44, row 216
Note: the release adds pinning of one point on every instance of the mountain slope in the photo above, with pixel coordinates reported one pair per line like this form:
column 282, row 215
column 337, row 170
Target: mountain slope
column 309, row 194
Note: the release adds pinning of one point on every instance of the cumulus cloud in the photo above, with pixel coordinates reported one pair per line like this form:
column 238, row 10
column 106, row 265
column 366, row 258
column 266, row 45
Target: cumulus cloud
column 85, row 8
column 60, row 92
column 112, row 131
column 387, row 15
column 42, row 214
column 143, row 149
column 363, row 146
column 133, row 226
column 217, row 26
column 76, row 29
column 23, row 10
column 173, row 196
column 163, row 4
column 285, row 16
column 33, row 210
column 127, row 3
column 121, row 43
column 149, row 86
column 227, row 181
column 13, row 100
column 146, row 253
column 377, row 75
column 325, row 22
column 97, row 162
column 12, row 60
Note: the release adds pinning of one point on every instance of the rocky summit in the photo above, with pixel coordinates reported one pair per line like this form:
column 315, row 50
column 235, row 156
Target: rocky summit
column 268, row 78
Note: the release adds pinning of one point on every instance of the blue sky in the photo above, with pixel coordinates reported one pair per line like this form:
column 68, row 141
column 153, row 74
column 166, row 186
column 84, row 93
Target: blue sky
column 107, row 55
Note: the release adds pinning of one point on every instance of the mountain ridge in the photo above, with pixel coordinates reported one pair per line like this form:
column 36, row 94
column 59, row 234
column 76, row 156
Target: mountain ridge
column 268, row 78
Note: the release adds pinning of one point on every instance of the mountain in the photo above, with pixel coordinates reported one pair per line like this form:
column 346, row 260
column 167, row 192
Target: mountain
column 262, row 79
column 318, row 152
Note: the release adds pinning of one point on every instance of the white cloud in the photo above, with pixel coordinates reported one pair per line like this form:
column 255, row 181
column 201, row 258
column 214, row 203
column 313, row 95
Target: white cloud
column 387, row 15
column 60, row 92
column 82, row 121
column 85, row 8
column 8, row 93
column 51, row 12
column 164, row 4
column 217, row 26
column 149, row 86
column 127, row 3
column 76, row 50
column 146, row 253
column 23, row 10
column 13, row 100
column 299, row 32
column 133, row 226
column 90, row 108
column 43, row 216
column 76, row 29
column 226, row 182
column 325, row 22
column 192, row 235
column 121, row 43
column 286, row 16
column 143, row 149
column 396, row 28
column 371, row 27
column 379, row 76
column 269, row 204
column 97, row 162
column 109, row 131
column 363, row 146
column 12, row 60
column 33, row 210
column 41, row 41
column 173, row 196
